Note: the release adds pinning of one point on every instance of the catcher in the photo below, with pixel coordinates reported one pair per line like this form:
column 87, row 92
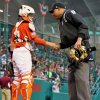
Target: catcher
column 22, row 34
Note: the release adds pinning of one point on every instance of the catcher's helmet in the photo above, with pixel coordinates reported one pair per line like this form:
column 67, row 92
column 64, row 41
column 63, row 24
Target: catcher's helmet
column 25, row 11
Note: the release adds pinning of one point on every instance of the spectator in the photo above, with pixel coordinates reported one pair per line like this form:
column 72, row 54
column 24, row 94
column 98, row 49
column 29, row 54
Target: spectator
column 56, row 86
column 5, row 84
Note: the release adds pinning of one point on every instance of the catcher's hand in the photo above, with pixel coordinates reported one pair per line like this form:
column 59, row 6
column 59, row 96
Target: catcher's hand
column 56, row 47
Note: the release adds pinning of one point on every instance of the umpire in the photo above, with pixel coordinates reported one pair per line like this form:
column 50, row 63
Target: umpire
column 73, row 32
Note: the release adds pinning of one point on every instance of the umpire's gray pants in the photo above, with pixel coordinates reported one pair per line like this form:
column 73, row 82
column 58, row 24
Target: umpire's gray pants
column 78, row 83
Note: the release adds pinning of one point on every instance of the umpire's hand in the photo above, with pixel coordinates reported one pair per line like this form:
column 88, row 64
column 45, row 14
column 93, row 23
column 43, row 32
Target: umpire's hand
column 56, row 47
column 78, row 43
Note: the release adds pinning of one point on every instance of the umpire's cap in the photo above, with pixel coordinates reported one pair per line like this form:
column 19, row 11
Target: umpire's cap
column 56, row 6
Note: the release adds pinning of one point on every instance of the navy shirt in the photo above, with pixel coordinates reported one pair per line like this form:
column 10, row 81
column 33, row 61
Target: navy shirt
column 72, row 26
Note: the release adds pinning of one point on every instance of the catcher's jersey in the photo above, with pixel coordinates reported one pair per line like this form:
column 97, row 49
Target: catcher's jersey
column 24, row 32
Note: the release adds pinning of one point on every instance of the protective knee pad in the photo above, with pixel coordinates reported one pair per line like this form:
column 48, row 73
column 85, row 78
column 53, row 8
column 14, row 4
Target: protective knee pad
column 27, row 78
column 15, row 92
column 26, row 91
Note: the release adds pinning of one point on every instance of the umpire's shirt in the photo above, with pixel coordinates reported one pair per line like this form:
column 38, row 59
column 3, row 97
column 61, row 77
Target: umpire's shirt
column 72, row 26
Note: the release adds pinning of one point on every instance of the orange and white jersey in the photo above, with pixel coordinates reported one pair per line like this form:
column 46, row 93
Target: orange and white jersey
column 24, row 32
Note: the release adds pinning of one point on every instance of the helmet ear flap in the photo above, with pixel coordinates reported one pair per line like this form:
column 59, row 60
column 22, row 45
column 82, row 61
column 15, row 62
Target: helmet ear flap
column 22, row 13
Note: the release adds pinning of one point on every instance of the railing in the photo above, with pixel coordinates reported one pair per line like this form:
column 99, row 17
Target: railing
column 95, row 90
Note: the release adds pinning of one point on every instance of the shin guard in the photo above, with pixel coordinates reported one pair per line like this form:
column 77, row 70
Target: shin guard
column 26, row 87
column 15, row 92
column 26, row 90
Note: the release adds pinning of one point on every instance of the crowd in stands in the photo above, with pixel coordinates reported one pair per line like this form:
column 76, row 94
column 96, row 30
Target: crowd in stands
column 48, row 64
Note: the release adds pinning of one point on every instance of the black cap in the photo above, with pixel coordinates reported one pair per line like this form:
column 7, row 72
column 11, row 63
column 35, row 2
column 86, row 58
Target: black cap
column 57, row 5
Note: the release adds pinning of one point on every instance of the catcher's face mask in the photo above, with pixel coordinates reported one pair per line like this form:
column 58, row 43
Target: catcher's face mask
column 77, row 55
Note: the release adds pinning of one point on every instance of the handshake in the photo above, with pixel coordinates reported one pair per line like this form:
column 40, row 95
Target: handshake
column 53, row 45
